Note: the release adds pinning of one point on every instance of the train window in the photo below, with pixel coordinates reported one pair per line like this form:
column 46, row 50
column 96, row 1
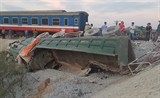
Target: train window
column 75, row 21
column 45, row 21
column 14, row 20
column 65, row 22
column 24, row 21
column 55, row 21
column 34, row 21
column 5, row 20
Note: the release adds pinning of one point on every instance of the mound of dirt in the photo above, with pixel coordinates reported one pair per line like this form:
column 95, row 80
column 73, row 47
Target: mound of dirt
column 143, row 85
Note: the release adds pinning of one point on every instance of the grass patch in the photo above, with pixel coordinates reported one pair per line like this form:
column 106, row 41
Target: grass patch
column 11, row 75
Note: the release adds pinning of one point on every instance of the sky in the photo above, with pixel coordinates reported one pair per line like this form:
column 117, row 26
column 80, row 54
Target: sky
column 139, row 11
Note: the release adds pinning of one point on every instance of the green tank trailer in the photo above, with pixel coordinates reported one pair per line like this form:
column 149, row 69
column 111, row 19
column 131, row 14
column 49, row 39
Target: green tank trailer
column 107, row 53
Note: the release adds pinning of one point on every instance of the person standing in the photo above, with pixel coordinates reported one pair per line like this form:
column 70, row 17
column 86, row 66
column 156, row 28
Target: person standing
column 158, row 29
column 116, row 26
column 104, row 27
column 91, row 26
column 87, row 27
column 10, row 33
column 122, row 28
column 3, row 34
column 148, row 31
column 116, row 29
column 26, row 33
column 132, row 31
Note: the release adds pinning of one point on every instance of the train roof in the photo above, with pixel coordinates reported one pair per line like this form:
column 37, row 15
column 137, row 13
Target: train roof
column 40, row 12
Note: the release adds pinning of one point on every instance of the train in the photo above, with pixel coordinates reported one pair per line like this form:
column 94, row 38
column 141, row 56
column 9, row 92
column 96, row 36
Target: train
column 51, row 21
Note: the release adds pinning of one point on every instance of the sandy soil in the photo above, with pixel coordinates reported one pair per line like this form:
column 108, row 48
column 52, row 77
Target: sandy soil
column 5, row 42
column 143, row 85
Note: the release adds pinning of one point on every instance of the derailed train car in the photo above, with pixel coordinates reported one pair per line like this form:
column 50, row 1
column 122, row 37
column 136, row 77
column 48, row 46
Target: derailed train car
column 109, row 54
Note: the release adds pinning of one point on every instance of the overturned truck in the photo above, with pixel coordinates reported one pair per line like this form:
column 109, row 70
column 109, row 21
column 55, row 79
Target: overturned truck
column 75, row 54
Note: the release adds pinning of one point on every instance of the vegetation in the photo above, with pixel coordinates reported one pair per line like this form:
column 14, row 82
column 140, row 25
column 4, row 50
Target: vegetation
column 11, row 76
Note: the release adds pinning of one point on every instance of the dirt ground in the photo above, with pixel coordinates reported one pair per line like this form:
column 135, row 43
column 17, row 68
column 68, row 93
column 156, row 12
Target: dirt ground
column 4, row 43
column 145, row 84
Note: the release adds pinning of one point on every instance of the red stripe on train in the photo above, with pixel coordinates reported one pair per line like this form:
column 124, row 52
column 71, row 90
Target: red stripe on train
column 39, row 29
